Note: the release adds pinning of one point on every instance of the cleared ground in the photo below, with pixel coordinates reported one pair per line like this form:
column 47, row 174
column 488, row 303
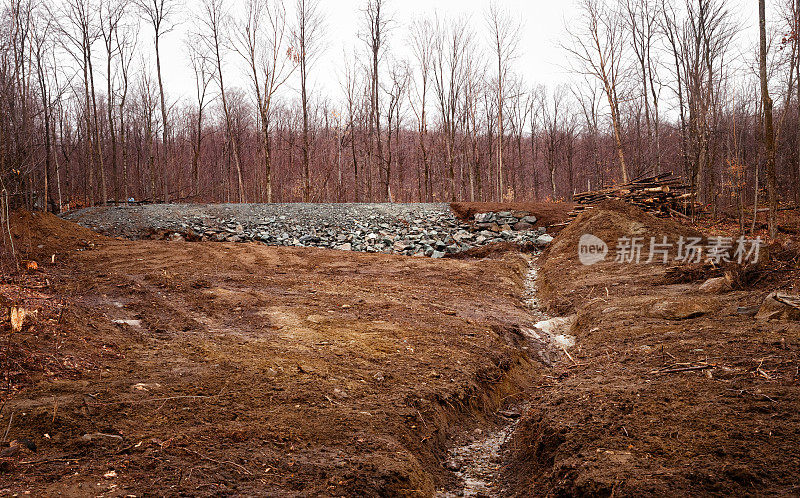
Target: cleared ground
column 670, row 390
column 249, row 369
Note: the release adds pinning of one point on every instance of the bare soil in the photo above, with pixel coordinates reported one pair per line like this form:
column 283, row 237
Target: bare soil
column 217, row 368
column 170, row 368
column 669, row 391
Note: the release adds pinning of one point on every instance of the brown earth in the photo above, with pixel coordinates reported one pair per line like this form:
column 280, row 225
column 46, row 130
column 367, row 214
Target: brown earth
column 247, row 369
column 290, row 371
column 670, row 391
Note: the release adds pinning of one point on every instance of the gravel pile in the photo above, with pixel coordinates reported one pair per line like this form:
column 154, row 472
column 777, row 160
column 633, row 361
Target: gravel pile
column 410, row 229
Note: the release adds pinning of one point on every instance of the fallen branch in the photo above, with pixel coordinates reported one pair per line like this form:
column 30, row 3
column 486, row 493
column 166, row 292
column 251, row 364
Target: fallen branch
column 569, row 355
column 683, row 369
column 151, row 400
column 49, row 460
column 218, row 462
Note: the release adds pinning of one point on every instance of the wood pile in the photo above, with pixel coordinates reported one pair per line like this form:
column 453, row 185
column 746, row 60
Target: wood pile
column 661, row 195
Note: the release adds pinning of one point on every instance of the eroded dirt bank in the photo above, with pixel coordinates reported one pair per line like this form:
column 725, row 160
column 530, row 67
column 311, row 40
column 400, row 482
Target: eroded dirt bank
column 216, row 368
column 670, row 391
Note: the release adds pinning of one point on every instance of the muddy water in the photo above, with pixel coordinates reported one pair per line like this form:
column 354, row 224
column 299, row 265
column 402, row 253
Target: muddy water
column 478, row 462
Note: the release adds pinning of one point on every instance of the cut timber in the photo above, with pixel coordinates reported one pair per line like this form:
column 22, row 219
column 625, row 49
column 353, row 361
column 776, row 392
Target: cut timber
column 662, row 195
column 779, row 306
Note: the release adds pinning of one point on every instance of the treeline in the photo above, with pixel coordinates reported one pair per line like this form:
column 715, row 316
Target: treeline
column 433, row 109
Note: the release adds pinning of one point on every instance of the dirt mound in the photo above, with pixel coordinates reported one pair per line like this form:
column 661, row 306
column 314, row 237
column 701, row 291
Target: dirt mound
column 38, row 234
column 547, row 213
column 612, row 220
column 609, row 222
column 49, row 345
column 669, row 390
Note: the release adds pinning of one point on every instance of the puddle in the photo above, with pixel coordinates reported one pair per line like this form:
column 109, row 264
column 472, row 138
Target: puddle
column 550, row 331
column 130, row 323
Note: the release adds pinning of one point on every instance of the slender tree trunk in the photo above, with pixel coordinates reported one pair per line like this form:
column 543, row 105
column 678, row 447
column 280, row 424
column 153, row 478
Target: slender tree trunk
column 98, row 146
column 164, row 124
column 769, row 132
column 306, row 155
column 112, row 130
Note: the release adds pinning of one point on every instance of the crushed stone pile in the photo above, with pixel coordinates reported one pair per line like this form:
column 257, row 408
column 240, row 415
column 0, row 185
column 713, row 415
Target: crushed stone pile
column 430, row 230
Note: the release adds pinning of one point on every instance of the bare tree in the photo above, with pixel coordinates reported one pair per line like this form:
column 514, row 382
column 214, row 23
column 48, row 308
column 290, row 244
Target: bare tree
column 474, row 90
column 705, row 39
column 262, row 42
column 203, row 74
column 350, row 86
column 159, row 13
column 552, row 117
column 80, row 32
column 453, row 43
column 422, row 42
column 111, row 14
column 597, row 47
column 642, row 20
column 671, row 30
column 307, row 49
column 589, row 98
column 376, row 26
column 41, row 44
column 769, row 132
column 216, row 23
column 396, row 92
column 505, row 35
column 126, row 45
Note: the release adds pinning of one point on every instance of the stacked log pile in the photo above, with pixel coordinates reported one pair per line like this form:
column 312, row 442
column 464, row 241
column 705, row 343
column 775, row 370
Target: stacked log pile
column 661, row 195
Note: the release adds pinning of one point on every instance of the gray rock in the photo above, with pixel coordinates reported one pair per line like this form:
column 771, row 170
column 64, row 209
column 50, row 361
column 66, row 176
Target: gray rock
column 409, row 229
column 485, row 217
column 522, row 225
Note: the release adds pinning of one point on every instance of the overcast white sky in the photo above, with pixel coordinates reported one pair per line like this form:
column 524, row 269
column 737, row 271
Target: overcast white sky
column 541, row 59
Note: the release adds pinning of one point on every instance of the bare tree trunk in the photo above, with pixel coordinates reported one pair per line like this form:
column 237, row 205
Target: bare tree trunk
column 308, row 24
column 164, row 122
column 158, row 12
column 98, row 146
column 216, row 23
column 769, row 132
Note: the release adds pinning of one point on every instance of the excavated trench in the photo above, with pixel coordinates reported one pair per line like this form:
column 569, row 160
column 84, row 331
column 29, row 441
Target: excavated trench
column 477, row 457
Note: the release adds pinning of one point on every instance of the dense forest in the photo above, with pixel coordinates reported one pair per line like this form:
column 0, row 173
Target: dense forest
column 657, row 86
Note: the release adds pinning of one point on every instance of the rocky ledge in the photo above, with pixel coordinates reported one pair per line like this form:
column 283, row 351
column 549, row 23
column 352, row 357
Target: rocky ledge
column 410, row 229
